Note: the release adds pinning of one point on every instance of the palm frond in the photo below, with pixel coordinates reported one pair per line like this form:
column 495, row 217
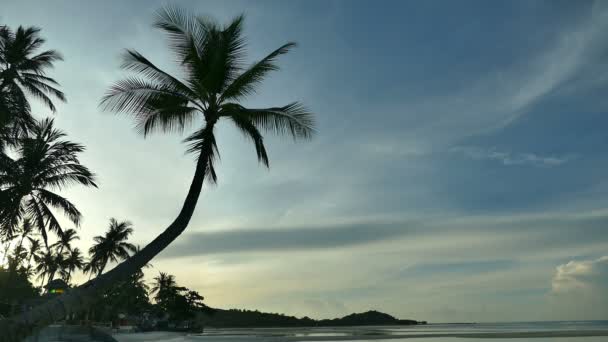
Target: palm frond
column 293, row 118
column 246, row 82
column 61, row 203
column 249, row 130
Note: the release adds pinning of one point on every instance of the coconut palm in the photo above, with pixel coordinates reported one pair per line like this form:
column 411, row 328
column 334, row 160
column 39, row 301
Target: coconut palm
column 64, row 243
column 212, row 83
column 72, row 262
column 23, row 71
column 47, row 264
column 163, row 283
column 7, row 240
column 65, row 240
column 23, row 67
column 45, row 163
column 112, row 246
column 26, row 230
column 34, row 247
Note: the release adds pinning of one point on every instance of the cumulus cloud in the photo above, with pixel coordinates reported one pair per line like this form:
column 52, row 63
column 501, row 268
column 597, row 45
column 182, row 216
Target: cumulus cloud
column 580, row 289
column 510, row 158
column 586, row 275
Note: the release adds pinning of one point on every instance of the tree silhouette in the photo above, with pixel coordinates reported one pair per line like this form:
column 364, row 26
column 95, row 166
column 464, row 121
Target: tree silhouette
column 112, row 246
column 45, row 163
column 213, row 81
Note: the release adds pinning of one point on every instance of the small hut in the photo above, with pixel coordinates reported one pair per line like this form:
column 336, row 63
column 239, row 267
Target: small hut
column 56, row 287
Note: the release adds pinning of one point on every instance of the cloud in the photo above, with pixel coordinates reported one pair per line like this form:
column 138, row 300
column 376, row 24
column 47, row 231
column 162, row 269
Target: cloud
column 509, row 158
column 579, row 289
column 300, row 238
column 585, row 275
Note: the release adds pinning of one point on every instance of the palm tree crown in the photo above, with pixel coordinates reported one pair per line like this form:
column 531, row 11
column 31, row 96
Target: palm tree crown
column 45, row 163
column 164, row 284
column 72, row 262
column 112, row 246
column 214, row 79
column 23, row 68
column 65, row 240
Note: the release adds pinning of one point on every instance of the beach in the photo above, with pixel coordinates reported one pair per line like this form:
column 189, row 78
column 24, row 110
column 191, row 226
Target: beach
column 517, row 332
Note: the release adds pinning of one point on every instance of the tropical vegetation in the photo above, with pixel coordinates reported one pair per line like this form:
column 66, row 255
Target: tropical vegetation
column 38, row 163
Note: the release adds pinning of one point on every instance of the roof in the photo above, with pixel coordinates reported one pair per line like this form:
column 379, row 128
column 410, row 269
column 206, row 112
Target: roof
column 56, row 284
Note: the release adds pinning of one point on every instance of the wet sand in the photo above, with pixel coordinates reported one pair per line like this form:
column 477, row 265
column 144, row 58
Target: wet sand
column 176, row 337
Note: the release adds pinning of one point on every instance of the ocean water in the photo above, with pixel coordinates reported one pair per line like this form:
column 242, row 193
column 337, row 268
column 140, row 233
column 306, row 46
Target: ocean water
column 588, row 331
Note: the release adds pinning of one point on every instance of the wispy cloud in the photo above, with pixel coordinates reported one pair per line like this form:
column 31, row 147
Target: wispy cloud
column 510, row 158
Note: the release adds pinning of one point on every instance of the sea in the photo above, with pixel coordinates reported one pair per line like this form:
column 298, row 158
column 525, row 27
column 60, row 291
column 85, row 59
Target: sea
column 577, row 331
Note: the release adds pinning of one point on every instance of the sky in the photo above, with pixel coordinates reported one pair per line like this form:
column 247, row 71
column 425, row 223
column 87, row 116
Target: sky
column 458, row 172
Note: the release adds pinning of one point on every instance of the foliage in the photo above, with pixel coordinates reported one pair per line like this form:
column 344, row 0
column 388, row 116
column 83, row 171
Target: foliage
column 15, row 287
column 212, row 58
column 45, row 163
column 23, row 72
column 112, row 246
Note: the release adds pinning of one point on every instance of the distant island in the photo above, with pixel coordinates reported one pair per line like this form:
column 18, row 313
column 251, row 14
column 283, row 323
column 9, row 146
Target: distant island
column 235, row 318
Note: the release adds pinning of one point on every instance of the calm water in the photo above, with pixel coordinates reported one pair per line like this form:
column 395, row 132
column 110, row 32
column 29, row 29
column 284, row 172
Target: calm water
column 542, row 331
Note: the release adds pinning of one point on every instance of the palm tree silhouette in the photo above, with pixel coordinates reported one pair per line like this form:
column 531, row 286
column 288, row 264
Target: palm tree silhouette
column 72, row 262
column 163, row 283
column 213, row 81
column 32, row 250
column 23, row 69
column 65, row 240
column 47, row 264
column 112, row 246
column 45, row 163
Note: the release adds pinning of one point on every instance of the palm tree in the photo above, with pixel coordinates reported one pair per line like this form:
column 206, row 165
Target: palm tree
column 45, row 163
column 7, row 240
column 163, row 284
column 212, row 83
column 32, row 250
column 73, row 261
column 23, row 68
column 25, row 231
column 47, row 264
column 65, row 240
column 112, row 246
column 23, row 71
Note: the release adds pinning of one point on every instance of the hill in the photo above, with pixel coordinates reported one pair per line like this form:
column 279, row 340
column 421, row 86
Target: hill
column 235, row 318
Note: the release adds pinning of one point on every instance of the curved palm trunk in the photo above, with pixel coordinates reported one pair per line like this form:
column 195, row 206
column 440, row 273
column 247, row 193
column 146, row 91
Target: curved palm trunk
column 17, row 327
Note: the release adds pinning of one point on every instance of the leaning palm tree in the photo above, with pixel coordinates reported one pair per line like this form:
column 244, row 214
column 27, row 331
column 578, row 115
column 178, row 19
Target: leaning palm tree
column 71, row 263
column 112, row 246
column 45, row 163
column 23, row 67
column 213, row 81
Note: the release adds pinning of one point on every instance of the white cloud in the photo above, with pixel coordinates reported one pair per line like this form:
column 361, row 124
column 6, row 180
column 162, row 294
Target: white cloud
column 586, row 275
column 579, row 289
column 509, row 158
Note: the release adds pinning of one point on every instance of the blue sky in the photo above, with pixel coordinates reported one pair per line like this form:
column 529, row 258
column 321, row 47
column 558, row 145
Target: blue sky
column 458, row 172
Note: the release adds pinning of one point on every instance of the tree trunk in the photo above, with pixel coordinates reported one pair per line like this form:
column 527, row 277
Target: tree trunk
column 18, row 327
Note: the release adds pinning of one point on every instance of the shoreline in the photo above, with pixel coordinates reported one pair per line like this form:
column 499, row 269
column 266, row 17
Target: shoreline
column 167, row 336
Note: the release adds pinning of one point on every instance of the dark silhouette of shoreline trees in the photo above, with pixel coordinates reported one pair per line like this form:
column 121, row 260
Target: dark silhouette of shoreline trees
column 212, row 82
